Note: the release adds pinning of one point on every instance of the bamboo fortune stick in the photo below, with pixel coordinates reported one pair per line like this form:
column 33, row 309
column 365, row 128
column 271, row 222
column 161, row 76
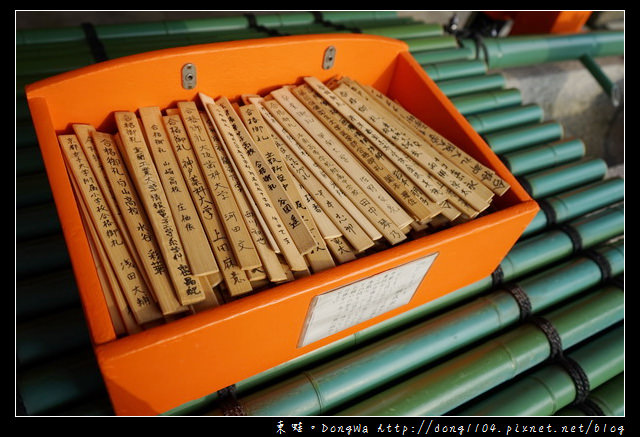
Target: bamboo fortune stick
column 342, row 157
column 289, row 214
column 487, row 176
column 155, row 201
column 401, row 188
column 262, row 238
column 192, row 234
column 433, row 162
column 137, row 222
column 360, row 199
column 131, row 282
column 343, row 214
column 319, row 258
column 121, row 315
column 223, row 120
column 177, row 144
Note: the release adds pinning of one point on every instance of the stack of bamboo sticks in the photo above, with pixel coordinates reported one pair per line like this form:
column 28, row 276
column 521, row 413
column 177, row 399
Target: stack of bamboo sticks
column 211, row 200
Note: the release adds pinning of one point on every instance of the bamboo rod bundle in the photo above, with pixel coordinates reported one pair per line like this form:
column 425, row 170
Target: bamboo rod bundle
column 494, row 362
column 328, row 386
column 608, row 398
column 551, row 387
column 213, row 200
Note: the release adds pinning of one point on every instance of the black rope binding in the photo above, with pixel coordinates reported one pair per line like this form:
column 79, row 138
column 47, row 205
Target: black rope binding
column 524, row 304
column 253, row 24
column 548, row 211
column 318, row 18
column 579, row 377
column 618, row 281
column 229, row 403
column 601, row 261
column 95, row 45
column 590, row 408
column 555, row 342
column 574, row 236
column 556, row 356
column 497, row 276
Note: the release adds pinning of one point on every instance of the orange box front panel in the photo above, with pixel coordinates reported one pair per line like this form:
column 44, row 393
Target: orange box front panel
column 164, row 367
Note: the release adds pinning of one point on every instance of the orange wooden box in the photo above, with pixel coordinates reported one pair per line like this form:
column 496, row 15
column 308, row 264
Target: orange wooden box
column 164, row 367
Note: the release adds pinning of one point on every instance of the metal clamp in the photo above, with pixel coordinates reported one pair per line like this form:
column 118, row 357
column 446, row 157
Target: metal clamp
column 189, row 78
column 329, row 57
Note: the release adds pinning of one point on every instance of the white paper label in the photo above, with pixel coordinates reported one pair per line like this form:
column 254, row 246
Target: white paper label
column 351, row 304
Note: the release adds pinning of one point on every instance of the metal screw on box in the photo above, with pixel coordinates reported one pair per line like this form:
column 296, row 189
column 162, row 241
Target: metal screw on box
column 189, row 78
column 329, row 57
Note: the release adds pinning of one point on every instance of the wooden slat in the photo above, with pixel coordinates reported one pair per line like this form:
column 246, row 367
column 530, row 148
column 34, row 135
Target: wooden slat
column 225, row 122
column 234, row 277
column 374, row 215
column 137, row 222
column 487, row 176
column 472, row 192
column 262, row 239
column 318, row 258
column 337, row 206
column 129, row 277
column 154, row 199
column 387, row 173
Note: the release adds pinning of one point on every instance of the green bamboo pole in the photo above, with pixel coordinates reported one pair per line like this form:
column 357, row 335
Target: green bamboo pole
column 25, row 134
column 32, row 189
column 549, row 388
column 466, row 85
column 537, row 158
column 417, row 46
column 357, row 16
column 520, row 137
column 54, row 49
column 454, row 69
column 557, row 179
column 447, row 55
column 28, row 160
column 40, row 295
column 456, row 381
column 54, row 64
column 285, row 19
column 175, row 27
column 473, row 103
column 52, row 335
column 59, row 383
column 505, row 118
column 132, row 30
column 576, row 202
column 307, row 29
column 521, row 50
column 609, row 397
column 41, row 255
column 123, row 47
column 37, row 221
column 533, row 253
column 23, row 114
column 609, row 87
column 327, row 386
column 48, row 35
column 406, row 31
